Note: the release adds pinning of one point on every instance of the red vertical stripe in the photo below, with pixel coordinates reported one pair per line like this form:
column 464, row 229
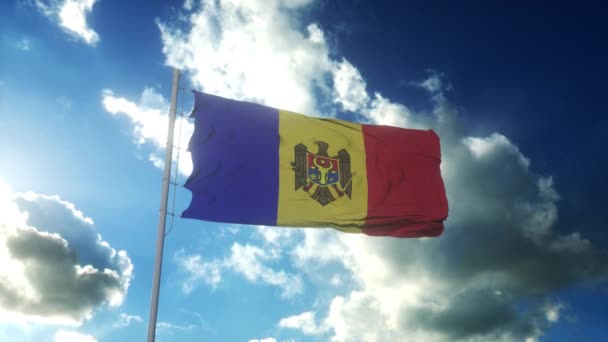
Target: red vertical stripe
column 406, row 195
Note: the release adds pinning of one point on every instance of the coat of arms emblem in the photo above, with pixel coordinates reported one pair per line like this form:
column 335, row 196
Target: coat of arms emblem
column 324, row 178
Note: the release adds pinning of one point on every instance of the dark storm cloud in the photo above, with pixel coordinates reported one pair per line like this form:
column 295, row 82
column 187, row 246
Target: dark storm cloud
column 60, row 269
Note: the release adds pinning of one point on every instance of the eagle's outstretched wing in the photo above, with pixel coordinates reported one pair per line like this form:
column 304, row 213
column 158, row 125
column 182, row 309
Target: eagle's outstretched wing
column 345, row 175
column 299, row 166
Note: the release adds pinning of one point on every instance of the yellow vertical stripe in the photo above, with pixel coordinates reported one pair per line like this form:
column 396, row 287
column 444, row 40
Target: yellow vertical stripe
column 297, row 207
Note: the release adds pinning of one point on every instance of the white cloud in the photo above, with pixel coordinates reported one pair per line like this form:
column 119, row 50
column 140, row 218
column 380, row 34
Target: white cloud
column 56, row 267
column 315, row 34
column 198, row 327
column 305, row 322
column 150, row 119
column 382, row 111
column 436, row 83
column 552, row 311
column 149, row 116
column 167, row 328
column 267, row 339
column 246, row 260
column 349, row 87
column 306, row 253
column 208, row 272
column 483, row 147
column 336, row 280
column 171, row 326
column 73, row 336
column 275, row 236
column 364, row 309
column 432, row 84
column 126, row 320
column 70, row 15
column 188, row 4
column 251, row 50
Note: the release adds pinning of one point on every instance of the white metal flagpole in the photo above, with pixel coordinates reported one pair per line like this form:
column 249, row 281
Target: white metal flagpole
column 162, row 219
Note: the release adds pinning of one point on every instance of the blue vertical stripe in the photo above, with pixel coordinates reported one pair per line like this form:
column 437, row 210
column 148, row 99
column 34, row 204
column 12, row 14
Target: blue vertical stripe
column 235, row 155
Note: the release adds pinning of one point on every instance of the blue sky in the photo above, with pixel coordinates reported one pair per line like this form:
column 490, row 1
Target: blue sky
column 514, row 92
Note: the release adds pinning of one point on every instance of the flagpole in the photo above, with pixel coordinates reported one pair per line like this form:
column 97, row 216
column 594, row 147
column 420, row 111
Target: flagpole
column 162, row 219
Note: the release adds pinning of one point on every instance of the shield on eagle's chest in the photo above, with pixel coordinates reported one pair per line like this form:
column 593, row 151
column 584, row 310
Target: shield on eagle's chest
column 323, row 171
column 324, row 178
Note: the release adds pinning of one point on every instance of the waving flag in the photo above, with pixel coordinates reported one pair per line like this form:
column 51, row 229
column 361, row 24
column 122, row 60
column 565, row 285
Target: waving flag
column 264, row 166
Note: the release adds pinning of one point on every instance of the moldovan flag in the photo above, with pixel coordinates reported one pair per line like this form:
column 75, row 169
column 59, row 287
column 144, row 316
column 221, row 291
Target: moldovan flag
column 264, row 166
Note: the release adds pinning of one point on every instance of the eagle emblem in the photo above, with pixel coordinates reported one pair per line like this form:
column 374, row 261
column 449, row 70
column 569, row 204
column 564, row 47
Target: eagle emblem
column 324, row 178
